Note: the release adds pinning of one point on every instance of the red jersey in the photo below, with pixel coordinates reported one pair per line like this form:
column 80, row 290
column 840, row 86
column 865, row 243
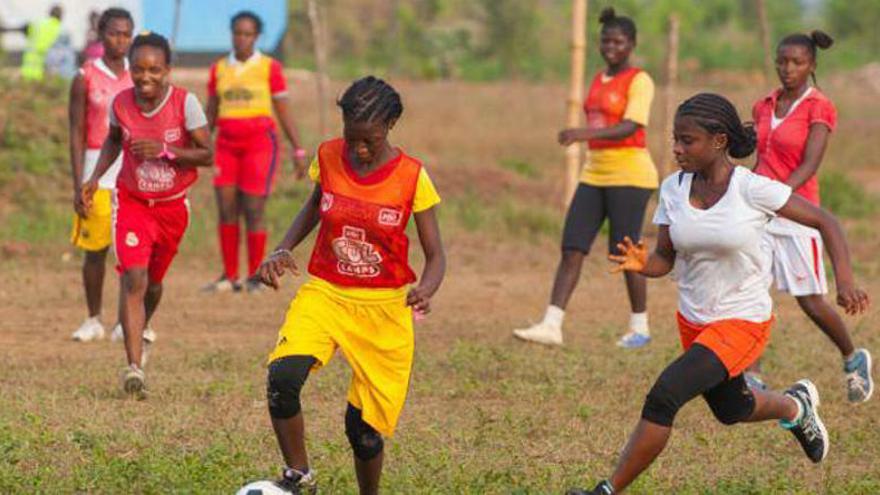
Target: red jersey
column 101, row 85
column 362, row 241
column 781, row 149
column 605, row 106
column 160, row 178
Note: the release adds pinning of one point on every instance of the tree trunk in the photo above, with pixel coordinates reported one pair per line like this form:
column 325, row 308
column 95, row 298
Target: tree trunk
column 319, row 37
column 764, row 26
column 671, row 97
column 575, row 96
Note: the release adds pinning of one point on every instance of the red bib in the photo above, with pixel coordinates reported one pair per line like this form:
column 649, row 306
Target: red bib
column 161, row 178
column 605, row 106
column 362, row 241
column 101, row 86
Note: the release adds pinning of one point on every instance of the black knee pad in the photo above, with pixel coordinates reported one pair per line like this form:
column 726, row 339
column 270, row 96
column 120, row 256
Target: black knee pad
column 661, row 404
column 286, row 379
column 365, row 441
column 732, row 401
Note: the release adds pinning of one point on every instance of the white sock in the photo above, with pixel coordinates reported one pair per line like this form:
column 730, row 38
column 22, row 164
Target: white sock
column 94, row 319
column 800, row 413
column 638, row 323
column 554, row 316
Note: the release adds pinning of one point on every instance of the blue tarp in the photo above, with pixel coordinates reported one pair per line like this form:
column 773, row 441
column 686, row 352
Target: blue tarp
column 204, row 24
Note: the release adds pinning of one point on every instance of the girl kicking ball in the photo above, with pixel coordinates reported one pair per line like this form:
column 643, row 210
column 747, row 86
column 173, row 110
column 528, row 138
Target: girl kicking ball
column 163, row 134
column 357, row 299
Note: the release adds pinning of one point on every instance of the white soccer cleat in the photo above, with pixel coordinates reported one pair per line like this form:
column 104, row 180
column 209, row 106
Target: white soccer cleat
column 134, row 382
column 117, row 335
column 90, row 330
column 540, row 333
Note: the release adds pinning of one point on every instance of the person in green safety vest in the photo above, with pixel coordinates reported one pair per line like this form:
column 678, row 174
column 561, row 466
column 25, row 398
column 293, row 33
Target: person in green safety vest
column 41, row 35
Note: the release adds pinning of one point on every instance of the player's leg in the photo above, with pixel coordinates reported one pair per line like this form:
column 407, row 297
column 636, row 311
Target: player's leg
column 256, row 183
column 228, row 160
column 254, row 211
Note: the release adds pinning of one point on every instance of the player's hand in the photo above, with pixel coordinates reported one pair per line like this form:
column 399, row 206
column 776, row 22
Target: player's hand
column 78, row 206
column 419, row 300
column 146, row 149
column 852, row 299
column 299, row 167
column 276, row 264
column 632, row 258
column 569, row 136
column 84, row 202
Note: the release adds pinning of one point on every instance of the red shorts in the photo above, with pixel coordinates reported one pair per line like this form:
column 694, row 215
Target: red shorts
column 248, row 163
column 737, row 343
column 146, row 236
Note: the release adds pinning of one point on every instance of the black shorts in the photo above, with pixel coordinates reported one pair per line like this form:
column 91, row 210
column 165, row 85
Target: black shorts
column 624, row 206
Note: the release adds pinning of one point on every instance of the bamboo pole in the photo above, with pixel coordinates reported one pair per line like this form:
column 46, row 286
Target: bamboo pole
column 319, row 39
column 670, row 97
column 575, row 96
column 764, row 27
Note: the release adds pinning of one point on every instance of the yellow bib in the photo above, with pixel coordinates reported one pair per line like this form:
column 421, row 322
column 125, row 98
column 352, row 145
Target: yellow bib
column 243, row 89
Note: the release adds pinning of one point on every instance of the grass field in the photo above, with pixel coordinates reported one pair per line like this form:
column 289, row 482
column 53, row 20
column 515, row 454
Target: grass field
column 486, row 414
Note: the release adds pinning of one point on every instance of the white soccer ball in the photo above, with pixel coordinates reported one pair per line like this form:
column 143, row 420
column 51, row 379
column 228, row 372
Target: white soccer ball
column 262, row 487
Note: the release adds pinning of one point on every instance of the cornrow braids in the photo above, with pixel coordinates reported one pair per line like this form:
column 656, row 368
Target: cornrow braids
column 717, row 115
column 610, row 20
column 369, row 99
column 113, row 13
column 155, row 40
column 816, row 39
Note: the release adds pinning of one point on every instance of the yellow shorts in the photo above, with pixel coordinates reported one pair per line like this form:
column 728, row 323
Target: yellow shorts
column 93, row 233
column 374, row 335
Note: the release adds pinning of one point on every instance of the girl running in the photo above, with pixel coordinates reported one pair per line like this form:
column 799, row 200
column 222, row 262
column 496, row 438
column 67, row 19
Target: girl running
column 357, row 299
column 793, row 125
column 712, row 217
column 616, row 183
column 243, row 90
column 94, row 86
column 163, row 135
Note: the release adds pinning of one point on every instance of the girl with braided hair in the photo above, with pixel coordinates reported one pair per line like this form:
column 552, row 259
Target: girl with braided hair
column 712, row 217
column 616, row 183
column 793, row 124
column 357, row 299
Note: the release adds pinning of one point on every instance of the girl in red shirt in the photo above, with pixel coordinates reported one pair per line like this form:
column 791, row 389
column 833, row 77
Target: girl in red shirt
column 793, row 124
column 163, row 134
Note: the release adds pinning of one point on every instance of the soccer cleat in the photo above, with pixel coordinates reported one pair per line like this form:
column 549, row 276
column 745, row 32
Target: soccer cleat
column 859, row 383
column 222, row 284
column 297, row 482
column 117, row 335
column 149, row 337
column 540, row 333
column 754, row 381
column 134, row 382
column 634, row 340
column 90, row 330
column 253, row 284
column 603, row 488
column 809, row 430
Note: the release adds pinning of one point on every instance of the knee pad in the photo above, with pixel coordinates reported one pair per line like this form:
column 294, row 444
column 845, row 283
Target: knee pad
column 732, row 401
column 661, row 404
column 365, row 441
column 286, row 379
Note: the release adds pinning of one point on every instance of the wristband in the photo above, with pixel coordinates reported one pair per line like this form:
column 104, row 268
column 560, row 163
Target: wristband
column 299, row 153
column 166, row 153
column 282, row 251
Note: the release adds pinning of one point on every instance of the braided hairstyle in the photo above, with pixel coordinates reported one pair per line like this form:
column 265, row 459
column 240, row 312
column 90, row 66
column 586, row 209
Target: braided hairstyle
column 247, row 14
column 113, row 13
column 816, row 39
column 610, row 20
column 717, row 115
column 369, row 99
column 155, row 40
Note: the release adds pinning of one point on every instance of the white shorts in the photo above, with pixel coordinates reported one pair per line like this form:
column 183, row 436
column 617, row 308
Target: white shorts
column 797, row 264
column 108, row 180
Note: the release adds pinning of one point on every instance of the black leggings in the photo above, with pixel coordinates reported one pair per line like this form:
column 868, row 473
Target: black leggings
column 623, row 206
column 698, row 371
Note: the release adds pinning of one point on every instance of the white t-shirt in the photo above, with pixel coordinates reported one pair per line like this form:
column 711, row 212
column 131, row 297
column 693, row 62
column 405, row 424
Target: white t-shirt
column 723, row 260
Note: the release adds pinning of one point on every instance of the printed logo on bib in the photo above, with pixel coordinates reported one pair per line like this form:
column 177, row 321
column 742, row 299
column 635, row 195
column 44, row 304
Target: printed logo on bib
column 131, row 239
column 390, row 217
column 172, row 135
column 356, row 257
column 326, row 201
column 155, row 176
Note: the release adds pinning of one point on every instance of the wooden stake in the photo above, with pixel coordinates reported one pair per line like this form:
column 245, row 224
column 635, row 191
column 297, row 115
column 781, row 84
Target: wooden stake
column 319, row 39
column 575, row 96
column 671, row 98
column 764, row 26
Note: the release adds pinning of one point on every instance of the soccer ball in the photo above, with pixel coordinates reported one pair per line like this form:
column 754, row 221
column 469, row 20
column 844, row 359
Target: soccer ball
column 262, row 487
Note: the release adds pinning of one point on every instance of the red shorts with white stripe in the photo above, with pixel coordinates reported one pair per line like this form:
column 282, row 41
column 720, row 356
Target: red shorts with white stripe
column 147, row 234
column 797, row 264
column 248, row 163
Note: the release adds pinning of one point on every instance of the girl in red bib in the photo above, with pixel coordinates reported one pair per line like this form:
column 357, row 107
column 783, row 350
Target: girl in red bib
column 244, row 89
column 793, row 124
column 616, row 183
column 163, row 135
column 357, row 299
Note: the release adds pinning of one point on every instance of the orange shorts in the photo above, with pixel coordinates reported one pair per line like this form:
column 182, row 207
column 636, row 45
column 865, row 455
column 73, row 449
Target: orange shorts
column 737, row 343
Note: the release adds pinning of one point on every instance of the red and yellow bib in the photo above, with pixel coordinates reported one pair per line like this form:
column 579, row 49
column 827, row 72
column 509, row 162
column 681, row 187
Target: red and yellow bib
column 605, row 106
column 362, row 241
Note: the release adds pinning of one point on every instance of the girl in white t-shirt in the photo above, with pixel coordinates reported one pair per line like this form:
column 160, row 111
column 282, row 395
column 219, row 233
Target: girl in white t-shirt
column 712, row 217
